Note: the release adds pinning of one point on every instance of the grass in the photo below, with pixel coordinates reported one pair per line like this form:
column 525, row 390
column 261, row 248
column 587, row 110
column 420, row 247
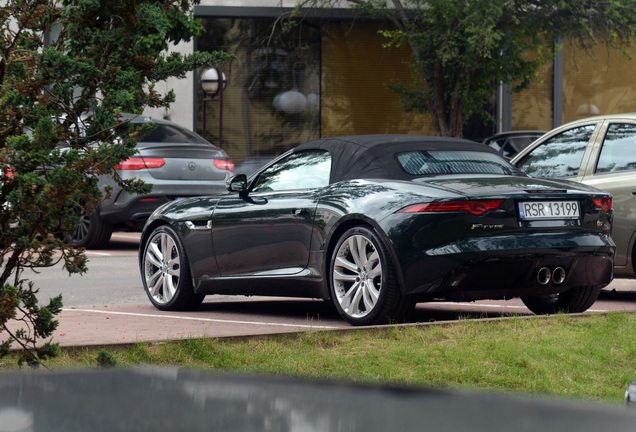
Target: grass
column 591, row 357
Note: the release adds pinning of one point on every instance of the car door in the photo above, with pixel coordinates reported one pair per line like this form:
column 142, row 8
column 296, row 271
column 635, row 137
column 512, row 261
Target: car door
column 613, row 169
column 269, row 230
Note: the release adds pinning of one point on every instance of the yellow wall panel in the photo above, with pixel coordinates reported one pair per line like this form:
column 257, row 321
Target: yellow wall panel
column 355, row 72
column 597, row 83
column 532, row 108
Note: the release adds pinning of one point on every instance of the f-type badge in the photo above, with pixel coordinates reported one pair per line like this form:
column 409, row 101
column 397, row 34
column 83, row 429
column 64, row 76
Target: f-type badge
column 484, row 226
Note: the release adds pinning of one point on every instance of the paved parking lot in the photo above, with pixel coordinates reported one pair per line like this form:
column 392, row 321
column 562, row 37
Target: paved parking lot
column 118, row 311
column 225, row 317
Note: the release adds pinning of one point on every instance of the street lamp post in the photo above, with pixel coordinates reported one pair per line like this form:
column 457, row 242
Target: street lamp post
column 213, row 83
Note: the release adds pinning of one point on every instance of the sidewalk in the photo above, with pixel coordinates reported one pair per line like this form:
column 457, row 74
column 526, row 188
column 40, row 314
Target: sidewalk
column 127, row 324
column 227, row 317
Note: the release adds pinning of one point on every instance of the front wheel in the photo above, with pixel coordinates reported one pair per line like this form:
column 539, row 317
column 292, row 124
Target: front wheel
column 574, row 300
column 165, row 272
column 363, row 284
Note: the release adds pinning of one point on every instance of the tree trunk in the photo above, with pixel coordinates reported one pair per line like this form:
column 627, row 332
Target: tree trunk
column 448, row 121
column 436, row 105
column 456, row 115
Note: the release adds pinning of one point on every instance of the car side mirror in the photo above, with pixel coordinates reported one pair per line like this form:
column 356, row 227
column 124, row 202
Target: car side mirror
column 237, row 183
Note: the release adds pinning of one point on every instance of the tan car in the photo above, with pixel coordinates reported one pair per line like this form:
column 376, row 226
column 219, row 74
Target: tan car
column 600, row 152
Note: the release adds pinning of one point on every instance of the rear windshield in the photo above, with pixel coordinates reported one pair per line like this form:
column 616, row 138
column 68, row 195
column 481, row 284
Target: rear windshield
column 439, row 162
column 165, row 133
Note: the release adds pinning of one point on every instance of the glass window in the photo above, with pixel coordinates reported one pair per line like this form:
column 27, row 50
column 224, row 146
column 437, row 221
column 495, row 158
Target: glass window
column 286, row 88
column 619, row 149
column 559, row 156
column 272, row 99
column 453, row 162
column 306, row 170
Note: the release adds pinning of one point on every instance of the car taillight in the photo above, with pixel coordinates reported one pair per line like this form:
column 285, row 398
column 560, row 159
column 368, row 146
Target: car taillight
column 475, row 207
column 9, row 173
column 604, row 204
column 137, row 163
column 224, row 164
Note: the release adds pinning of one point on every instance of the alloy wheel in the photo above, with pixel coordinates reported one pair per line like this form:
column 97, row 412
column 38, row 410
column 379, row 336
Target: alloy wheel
column 357, row 276
column 162, row 268
column 82, row 230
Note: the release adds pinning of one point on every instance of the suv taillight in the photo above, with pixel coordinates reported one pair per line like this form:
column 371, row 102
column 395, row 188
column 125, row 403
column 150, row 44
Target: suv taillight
column 224, row 164
column 137, row 163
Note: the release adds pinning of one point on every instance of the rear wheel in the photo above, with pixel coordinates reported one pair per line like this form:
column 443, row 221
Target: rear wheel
column 574, row 300
column 363, row 284
column 166, row 272
column 91, row 232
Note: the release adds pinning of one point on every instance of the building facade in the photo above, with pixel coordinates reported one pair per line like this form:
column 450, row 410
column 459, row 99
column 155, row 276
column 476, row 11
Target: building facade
column 328, row 76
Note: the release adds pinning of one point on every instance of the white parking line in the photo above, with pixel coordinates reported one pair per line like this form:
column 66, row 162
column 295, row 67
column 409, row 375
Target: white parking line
column 126, row 235
column 261, row 323
column 477, row 305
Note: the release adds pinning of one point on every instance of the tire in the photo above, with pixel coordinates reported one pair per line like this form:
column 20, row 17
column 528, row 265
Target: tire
column 574, row 300
column 165, row 272
column 364, row 288
column 91, row 232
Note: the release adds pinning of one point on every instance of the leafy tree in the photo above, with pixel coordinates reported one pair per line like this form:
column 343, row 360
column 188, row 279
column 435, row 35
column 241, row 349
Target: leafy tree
column 462, row 48
column 68, row 69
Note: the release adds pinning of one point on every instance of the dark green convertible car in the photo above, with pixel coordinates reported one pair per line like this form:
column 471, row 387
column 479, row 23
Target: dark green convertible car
column 378, row 223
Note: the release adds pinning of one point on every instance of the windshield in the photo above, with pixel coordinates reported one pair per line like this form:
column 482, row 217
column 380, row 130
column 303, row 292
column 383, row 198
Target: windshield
column 167, row 133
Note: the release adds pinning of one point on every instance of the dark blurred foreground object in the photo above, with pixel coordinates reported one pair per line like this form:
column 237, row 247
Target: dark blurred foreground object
column 174, row 400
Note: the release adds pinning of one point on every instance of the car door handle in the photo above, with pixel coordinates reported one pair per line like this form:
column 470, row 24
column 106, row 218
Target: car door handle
column 634, row 192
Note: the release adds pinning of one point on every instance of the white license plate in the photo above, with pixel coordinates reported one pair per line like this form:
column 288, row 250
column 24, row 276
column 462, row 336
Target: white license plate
column 533, row 210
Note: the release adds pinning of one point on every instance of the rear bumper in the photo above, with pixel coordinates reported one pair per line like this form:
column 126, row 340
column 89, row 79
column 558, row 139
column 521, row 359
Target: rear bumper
column 508, row 277
column 136, row 209
column 507, row 266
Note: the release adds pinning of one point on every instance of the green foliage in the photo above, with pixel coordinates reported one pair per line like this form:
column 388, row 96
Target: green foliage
column 105, row 359
column 68, row 69
column 20, row 304
column 462, row 49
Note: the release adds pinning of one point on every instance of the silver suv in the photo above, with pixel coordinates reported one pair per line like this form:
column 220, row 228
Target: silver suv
column 176, row 161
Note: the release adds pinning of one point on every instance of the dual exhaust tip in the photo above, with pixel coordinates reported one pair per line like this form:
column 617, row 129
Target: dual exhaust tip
column 555, row 275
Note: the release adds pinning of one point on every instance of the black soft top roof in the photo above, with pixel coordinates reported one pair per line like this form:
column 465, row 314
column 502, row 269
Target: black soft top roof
column 371, row 156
